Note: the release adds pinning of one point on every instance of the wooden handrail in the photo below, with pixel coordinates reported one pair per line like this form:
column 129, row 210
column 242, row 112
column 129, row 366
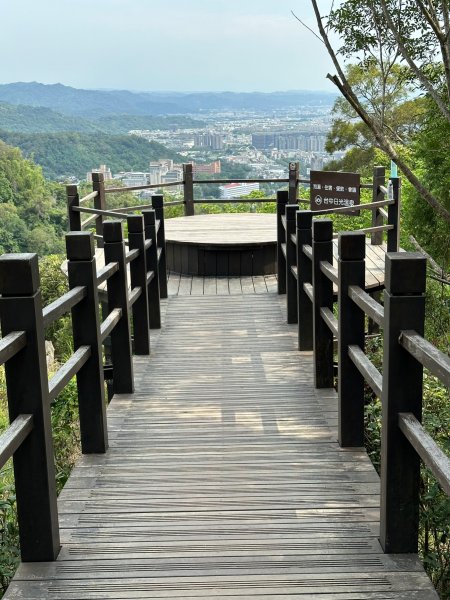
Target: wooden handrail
column 435, row 459
column 428, row 355
column 90, row 196
column 63, row 305
column 13, row 437
column 371, row 307
column 70, row 368
column 11, row 344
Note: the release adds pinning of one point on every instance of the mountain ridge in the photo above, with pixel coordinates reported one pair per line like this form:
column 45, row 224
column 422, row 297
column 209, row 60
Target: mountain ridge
column 97, row 103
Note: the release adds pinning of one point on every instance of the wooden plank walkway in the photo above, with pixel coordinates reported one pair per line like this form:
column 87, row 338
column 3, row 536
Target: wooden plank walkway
column 194, row 285
column 223, row 479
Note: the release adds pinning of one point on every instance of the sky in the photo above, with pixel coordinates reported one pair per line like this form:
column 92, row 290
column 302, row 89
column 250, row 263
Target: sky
column 178, row 45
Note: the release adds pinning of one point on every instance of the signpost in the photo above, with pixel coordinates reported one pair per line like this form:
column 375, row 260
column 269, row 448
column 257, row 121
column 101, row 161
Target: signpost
column 333, row 189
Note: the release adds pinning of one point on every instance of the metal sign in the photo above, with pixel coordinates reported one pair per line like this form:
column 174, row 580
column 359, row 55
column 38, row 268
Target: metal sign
column 333, row 189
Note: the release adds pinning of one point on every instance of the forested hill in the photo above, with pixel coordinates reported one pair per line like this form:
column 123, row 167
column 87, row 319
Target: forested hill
column 62, row 154
column 39, row 119
column 97, row 103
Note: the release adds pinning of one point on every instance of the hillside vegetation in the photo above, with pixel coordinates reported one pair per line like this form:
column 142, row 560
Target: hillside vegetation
column 62, row 154
column 38, row 119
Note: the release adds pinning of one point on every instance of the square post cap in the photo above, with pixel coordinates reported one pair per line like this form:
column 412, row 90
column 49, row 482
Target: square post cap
column 149, row 217
column 80, row 245
column 112, row 231
column 135, row 224
column 352, row 245
column 157, row 201
column 304, row 219
column 19, row 274
column 322, row 230
column 405, row 273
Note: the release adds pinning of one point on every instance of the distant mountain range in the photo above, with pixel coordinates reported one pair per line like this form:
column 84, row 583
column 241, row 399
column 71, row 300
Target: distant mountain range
column 95, row 104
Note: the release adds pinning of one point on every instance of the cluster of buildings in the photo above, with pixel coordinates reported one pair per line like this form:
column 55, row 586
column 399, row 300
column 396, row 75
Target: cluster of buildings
column 305, row 141
column 166, row 171
column 159, row 172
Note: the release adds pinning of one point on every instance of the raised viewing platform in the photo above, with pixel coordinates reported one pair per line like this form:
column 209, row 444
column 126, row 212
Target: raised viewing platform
column 236, row 244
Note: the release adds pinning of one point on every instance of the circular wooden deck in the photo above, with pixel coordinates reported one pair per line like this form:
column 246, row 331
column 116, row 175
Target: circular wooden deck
column 222, row 245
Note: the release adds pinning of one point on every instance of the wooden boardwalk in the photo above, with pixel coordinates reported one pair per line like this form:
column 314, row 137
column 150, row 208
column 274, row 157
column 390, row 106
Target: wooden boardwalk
column 224, row 478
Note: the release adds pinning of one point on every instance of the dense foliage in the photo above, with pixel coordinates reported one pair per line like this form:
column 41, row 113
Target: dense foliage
column 32, row 211
column 64, row 154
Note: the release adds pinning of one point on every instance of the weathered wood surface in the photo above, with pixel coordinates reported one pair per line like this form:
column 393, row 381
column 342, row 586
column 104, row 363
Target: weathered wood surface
column 227, row 229
column 223, row 478
column 224, row 245
column 246, row 229
column 191, row 285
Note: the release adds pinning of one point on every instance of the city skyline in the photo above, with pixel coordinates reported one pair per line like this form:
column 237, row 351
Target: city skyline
column 255, row 45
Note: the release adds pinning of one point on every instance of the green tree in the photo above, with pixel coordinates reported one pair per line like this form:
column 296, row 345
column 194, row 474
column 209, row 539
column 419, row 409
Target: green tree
column 386, row 33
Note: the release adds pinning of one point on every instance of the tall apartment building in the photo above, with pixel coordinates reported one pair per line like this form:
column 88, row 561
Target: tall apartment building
column 309, row 142
column 237, row 190
column 209, row 140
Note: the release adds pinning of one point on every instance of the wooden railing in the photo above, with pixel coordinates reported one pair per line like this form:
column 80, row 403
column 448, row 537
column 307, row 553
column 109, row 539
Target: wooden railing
column 22, row 350
column 313, row 284
column 293, row 181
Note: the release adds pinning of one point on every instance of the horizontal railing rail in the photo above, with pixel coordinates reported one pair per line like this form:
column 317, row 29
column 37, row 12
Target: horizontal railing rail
column 187, row 182
column 11, row 344
column 14, row 436
column 70, row 368
column 63, row 305
column 147, row 186
column 88, row 197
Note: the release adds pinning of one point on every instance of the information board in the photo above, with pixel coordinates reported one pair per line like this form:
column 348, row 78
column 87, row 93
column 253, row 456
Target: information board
column 333, row 189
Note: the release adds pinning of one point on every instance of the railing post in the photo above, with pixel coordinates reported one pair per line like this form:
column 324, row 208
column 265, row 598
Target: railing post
column 82, row 271
column 138, row 276
column 27, row 387
column 404, row 308
column 73, row 199
column 304, row 275
column 322, row 247
column 188, row 190
column 158, row 207
column 379, row 178
column 154, row 308
column 123, row 382
column 282, row 200
column 293, row 182
column 351, row 268
column 393, row 236
column 291, row 260
column 98, row 185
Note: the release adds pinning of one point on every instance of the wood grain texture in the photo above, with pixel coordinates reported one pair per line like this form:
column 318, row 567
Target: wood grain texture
column 223, row 478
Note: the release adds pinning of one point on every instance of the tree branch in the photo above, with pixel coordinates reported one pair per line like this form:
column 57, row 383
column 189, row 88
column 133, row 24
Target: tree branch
column 412, row 65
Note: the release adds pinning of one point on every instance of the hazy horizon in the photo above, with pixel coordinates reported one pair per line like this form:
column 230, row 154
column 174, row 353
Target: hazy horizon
column 181, row 92
column 228, row 45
